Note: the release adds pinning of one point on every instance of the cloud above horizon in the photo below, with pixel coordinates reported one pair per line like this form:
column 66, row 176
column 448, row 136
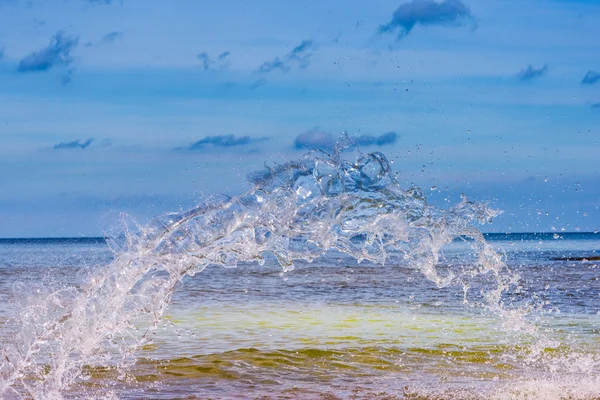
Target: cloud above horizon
column 448, row 13
column 222, row 141
column 103, row 1
column 112, row 37
column 299, row 56
column 372, row 140
column 590, row 78
column 68, row 76
column 530, row 73
column 222, row 62
column 57, row 53
column 316, row 139
column 76, row 144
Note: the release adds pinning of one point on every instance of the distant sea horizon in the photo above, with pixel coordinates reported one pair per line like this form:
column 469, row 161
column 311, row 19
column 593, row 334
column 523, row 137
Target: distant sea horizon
column 488, row 235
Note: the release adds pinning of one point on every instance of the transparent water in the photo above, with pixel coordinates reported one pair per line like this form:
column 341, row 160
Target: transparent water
column 432, row 310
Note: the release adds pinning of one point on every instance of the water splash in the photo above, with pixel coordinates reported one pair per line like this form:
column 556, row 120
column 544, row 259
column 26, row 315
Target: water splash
column 296, row 211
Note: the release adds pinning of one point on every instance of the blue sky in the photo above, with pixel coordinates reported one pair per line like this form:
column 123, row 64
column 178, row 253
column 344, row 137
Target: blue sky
column 146, row 106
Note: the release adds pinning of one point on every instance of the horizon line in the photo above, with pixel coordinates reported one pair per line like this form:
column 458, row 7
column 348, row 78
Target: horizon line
column 104, row 238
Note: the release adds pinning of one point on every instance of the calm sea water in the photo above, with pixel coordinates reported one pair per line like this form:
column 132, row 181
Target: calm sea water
column 337, row 329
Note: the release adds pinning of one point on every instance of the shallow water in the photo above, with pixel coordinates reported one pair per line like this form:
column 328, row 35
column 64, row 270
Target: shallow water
column 338, row 329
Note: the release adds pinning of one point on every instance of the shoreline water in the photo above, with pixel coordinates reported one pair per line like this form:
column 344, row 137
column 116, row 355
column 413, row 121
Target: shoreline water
column 337, row 329
column 323, row 234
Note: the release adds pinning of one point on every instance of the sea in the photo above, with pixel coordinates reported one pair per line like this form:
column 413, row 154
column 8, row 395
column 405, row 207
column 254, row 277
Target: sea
column 424, row 309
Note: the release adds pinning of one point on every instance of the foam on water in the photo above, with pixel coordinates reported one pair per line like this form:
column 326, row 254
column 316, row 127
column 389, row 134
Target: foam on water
column 296, row 211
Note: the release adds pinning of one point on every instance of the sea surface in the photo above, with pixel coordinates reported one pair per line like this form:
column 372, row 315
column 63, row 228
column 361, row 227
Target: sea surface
column 335, row 328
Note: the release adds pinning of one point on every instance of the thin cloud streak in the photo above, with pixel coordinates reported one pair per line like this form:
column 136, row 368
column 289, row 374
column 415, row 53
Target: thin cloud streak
column 222, row 141
column 372, row 140
column 107, row 2
column 112, row 37
column 221, row 63
column 530, row 73
column 316, row 139
column 299, row 56
column 76, row 144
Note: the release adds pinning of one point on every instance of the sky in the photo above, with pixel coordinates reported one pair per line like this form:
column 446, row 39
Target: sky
column 147, row 106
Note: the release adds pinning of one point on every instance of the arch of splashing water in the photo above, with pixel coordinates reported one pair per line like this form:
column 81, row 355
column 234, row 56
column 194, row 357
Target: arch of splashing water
column 296, row 211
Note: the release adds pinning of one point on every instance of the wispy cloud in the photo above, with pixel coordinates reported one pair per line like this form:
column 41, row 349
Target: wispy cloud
column 299, row 56
column 112, row 37
column 76, row 144
column 317, row 139
column 104, row 1
column 531, row 73
column 302, row 52
column 372, row 140
column 38, row 23
column 272, row 65
column 68, row 76
column 223, row 141
column 590, row 78
column 58, row 52
column 450, row 13
column 109, row 38
column 258, row 83
column 220, row 63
